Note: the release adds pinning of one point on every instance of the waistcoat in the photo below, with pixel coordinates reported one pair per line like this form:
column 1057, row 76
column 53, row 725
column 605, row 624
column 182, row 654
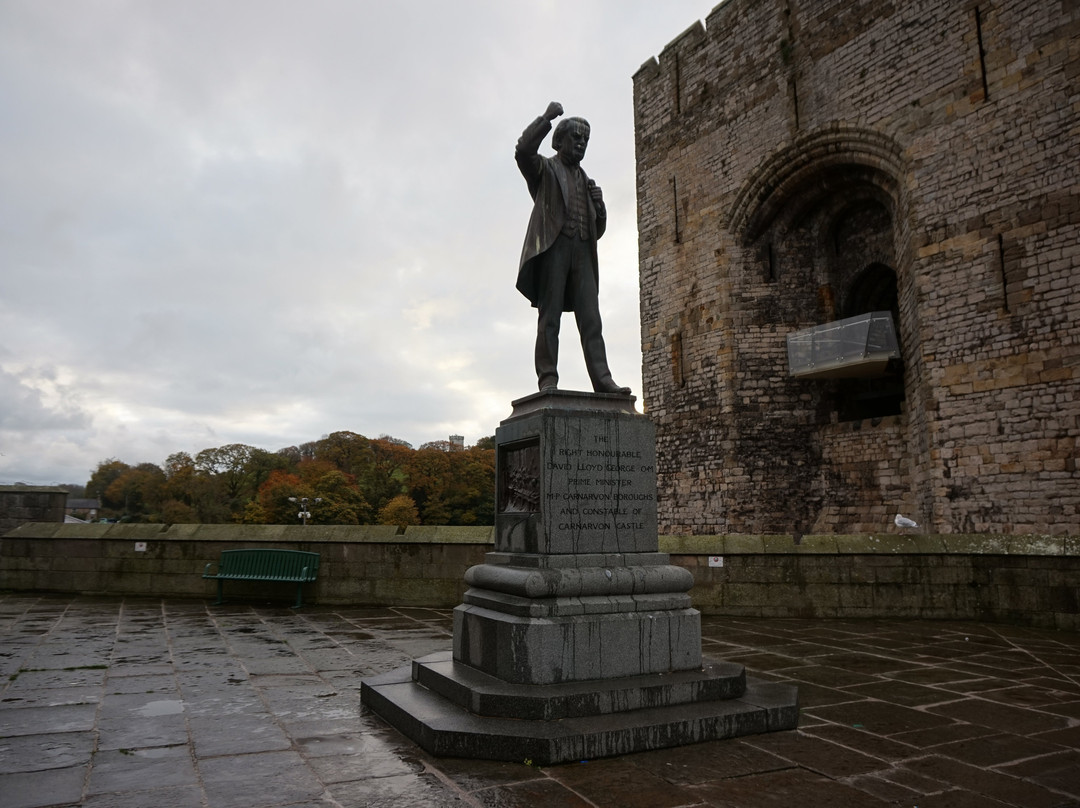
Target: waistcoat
column 577, row 213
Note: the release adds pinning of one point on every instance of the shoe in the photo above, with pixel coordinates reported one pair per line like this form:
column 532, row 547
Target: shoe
column 548, row 384
column 609, row 386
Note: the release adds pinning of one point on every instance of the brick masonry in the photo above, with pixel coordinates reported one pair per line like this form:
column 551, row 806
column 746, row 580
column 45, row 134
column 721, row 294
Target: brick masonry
column 786, row 148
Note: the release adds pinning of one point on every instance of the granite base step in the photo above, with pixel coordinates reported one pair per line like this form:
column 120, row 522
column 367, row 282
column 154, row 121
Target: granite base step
column 483, row 694
column 665, row 710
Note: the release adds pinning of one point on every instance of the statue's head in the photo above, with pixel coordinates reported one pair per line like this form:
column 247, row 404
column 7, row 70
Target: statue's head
column 571, row 138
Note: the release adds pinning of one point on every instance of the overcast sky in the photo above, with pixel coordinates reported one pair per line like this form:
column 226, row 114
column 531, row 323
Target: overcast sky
column 248, row 221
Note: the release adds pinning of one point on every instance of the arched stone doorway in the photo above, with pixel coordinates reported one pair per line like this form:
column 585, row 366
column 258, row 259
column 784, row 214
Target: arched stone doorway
column 822, row 224
column 821, row 217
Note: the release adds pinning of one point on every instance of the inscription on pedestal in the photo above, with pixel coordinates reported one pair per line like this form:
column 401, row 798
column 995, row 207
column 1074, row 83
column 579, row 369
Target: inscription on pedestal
column 576, row 479
column 600, row 488
column 599, row 492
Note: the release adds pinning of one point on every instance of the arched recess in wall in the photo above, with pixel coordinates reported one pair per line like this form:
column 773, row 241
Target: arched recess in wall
column 822, row 214
column 811, row 159
column 872, row 289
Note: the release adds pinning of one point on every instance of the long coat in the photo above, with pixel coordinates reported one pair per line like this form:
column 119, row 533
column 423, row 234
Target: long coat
column 549, row 186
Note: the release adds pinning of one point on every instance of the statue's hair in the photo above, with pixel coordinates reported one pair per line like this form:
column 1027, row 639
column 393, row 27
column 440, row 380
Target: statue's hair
column 564, row 124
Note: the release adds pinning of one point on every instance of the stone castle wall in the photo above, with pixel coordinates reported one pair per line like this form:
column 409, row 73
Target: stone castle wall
column 803, row 160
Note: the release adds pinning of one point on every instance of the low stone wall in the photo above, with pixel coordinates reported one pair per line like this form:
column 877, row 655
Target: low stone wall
column 1026, row 580
column 364, row 565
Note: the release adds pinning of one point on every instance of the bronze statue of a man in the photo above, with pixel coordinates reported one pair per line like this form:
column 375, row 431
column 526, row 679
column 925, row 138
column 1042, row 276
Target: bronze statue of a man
column 558, row 267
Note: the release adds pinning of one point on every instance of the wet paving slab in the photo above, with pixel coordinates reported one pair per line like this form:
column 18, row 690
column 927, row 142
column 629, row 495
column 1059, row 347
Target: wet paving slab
column 109, row 703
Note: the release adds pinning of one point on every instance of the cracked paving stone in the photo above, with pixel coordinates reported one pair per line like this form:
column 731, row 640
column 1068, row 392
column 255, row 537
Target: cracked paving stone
column 33, row 790
column 33, row 753
column 135, row 769
column 44, row 720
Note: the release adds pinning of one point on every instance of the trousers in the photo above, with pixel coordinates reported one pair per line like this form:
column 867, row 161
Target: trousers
column 567, row 271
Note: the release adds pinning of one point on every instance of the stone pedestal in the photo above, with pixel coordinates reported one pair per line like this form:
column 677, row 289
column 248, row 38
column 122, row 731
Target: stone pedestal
column 576, row 637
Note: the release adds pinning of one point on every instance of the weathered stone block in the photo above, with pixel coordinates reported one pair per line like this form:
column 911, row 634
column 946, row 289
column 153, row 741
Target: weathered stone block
column 576, row 648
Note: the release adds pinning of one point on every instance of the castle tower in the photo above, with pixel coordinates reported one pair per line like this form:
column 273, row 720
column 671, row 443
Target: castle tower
column 859, row 254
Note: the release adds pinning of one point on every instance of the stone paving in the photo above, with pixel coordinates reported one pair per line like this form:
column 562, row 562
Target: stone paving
column 122, row 703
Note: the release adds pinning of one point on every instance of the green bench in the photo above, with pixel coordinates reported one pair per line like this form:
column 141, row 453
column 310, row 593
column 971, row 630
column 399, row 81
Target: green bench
column 290, row 566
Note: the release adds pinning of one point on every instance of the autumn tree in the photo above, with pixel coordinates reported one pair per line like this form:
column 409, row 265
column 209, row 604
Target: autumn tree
column 349, row 452
column 357, row 479
column 386, row 477
column 138, row 493
column 429, row 472
column 229, row 465
column 453, row 487
column 311, row 470
column 439, row 445
column 179, row 475
column 400, row 511
column 342, row 503
column 103, row 476
column 261, row 464
column 231, row 476
column 291, row 455
column 274, row 506
column 475, row 491
column 181, row 490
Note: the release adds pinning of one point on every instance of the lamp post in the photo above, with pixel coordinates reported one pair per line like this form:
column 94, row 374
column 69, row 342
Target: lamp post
column 304, row 514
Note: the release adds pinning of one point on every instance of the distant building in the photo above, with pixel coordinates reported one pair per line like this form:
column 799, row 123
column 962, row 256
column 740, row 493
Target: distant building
column 85, row 510
column 30, row 503
column 859, row 234
column 457, row 442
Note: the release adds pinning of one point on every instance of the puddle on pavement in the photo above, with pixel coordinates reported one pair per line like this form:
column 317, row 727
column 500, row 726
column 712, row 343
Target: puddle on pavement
column 153, row 709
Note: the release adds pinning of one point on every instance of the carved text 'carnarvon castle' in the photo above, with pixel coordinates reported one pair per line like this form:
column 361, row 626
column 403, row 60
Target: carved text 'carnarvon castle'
column 860, row 266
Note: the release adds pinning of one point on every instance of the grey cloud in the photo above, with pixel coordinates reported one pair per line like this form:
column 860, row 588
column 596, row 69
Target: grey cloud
column 24, row 408
column 266, row 221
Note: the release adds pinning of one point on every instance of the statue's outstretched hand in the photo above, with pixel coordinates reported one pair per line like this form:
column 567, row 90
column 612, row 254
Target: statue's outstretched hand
column 553, row 111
